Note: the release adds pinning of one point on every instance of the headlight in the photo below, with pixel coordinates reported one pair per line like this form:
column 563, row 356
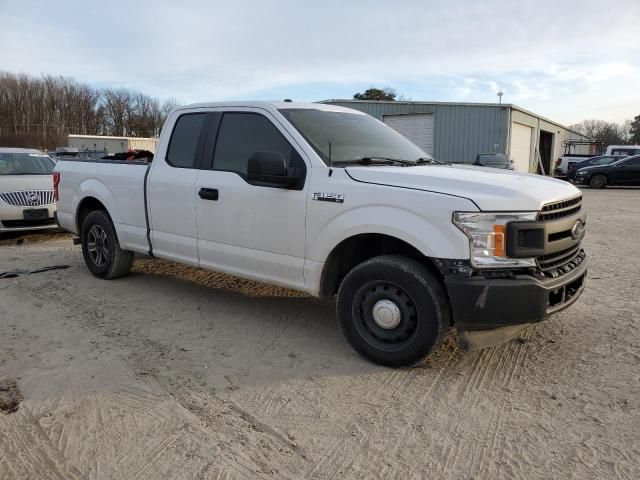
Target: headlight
column 487, row 239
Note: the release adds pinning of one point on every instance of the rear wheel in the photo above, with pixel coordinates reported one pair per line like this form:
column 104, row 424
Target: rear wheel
column 598, row 181
column 392, row 310
column 101, row 248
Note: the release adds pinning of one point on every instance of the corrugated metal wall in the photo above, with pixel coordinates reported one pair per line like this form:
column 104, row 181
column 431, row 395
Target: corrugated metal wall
column 461, row 131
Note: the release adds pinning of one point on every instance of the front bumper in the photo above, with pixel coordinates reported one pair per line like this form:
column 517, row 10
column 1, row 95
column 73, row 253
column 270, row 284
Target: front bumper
column 579, row 180
column 12, row 219
column 482, row 304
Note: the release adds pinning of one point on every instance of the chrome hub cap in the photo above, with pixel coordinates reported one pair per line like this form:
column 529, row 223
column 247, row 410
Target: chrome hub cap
column 386, row 314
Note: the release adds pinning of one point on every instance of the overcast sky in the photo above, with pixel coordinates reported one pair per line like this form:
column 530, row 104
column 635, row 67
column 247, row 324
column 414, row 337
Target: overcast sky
column 563, row 59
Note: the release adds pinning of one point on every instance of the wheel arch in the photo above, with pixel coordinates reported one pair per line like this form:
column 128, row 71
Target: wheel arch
column 85, row 207
column 361, row 247
column 92, row 194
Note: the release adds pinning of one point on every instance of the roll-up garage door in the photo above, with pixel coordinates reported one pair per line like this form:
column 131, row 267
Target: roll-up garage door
column 520, row 146
column 416, row 127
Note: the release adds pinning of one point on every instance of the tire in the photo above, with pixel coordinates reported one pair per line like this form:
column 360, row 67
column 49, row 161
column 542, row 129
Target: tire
column 598, row 181
column 400, row 333
column 101, row 248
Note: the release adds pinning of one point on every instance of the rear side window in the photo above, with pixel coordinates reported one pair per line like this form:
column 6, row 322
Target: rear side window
column 243, row 134
column 633, row 161
column 184, row 140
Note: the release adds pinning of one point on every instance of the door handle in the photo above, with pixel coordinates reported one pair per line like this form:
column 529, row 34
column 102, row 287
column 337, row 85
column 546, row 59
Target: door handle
column 208, row 193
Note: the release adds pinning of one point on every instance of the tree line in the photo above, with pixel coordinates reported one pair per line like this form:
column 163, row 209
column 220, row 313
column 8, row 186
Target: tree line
column 39, row 112
column 611, row 133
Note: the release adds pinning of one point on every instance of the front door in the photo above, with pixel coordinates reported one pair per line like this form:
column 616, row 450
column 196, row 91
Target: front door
column 254, row 231
column 628, row 173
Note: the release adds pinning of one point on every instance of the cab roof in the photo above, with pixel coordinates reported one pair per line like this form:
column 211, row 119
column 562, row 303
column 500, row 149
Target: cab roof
column 272, row 105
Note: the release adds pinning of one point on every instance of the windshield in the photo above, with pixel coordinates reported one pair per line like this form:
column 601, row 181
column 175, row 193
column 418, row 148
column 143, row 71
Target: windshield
column 490, row 159
column 25, row 164
column 342, row 137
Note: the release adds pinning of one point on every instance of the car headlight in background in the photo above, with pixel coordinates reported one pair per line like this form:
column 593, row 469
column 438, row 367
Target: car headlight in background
column 487, row 237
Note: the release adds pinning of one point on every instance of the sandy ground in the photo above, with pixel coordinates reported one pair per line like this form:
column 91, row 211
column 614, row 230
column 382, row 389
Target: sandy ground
column 174, row 372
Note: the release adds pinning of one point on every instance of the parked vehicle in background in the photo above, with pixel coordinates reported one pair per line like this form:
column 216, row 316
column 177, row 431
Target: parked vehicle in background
column 26, row 190
column 494, row 160
column 625, row 171
column 623, row 150
column 601, row 160
column 576, row 151
column 330, row 201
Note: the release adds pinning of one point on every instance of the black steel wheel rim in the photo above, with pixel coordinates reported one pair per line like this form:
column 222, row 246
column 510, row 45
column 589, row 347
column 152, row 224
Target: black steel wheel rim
column 98, row 246
column 387, row 339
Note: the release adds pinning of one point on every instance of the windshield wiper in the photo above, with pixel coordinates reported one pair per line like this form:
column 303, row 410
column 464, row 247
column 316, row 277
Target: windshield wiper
column 429, row 161
column 393, row 161
column 378, row 161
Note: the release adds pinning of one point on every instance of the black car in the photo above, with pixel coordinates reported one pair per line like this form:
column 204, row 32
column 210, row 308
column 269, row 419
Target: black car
column 493, row 160
column 601, row 160
column 622, row 172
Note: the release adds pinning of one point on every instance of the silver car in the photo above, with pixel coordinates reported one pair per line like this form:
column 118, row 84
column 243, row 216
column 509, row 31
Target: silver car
column 26, row 190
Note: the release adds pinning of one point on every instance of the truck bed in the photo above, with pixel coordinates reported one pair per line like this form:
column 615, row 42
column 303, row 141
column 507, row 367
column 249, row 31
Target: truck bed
column 118, row 185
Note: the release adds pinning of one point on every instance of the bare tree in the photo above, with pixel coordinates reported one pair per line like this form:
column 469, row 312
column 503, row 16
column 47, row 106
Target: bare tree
column 607, row 132
column 41, row 111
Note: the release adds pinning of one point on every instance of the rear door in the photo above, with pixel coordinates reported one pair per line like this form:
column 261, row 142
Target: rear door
column 171, row 192
column 254, row 231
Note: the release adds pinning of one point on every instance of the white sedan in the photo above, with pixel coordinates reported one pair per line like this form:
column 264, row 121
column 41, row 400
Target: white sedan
column 26, row 190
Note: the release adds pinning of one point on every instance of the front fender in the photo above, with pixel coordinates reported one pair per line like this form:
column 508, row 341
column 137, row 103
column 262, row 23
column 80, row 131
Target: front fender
column 433, row 238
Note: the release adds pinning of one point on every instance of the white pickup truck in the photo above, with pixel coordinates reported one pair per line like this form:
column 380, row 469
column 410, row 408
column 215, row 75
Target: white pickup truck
column 330, row 201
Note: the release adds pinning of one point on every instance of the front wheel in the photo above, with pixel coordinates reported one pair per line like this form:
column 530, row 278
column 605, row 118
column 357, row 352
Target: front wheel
column 392, row 310
column 101, row 248
column 598, row 181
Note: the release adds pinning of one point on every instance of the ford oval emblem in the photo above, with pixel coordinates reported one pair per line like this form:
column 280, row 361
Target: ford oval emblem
column 577, row 230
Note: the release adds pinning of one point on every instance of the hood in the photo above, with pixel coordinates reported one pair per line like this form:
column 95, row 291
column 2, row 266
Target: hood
column 16, row 183
column 593, row 168
column 489, row 188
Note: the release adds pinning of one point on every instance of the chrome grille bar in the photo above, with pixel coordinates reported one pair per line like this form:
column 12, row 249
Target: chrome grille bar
column 28, row 198
column 564, row 208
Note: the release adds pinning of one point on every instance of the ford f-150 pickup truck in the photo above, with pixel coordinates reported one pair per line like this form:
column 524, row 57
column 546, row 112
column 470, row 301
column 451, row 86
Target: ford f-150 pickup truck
column 332, row 202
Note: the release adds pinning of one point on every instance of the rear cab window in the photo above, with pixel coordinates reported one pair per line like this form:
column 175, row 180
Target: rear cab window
column 185, row 140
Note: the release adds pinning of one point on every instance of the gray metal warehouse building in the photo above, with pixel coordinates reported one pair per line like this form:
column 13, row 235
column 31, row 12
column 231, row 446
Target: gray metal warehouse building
column 457, row 132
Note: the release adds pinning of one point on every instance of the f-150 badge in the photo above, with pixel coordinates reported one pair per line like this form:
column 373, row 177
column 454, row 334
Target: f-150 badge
column 328, row 197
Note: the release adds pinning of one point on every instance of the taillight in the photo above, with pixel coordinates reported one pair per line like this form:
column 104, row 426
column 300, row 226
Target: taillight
column 56, row 183
column 558, row 162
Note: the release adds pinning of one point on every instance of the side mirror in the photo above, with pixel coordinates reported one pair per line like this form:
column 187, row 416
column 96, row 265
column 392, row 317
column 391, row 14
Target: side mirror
column 269, row 169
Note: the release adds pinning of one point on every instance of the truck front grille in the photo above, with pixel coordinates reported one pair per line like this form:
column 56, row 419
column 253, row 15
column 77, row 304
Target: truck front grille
column 28, row 198
column 556, row 210
column 557, row 264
